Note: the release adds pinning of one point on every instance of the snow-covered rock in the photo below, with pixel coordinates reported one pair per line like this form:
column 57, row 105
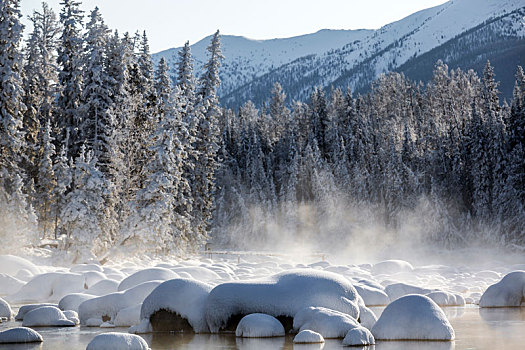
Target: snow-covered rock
column 106, row 307
column 359, row 336
column 184, row 298
column 103, row 287
column 308, row 337
column 128, row 317
column 29, row 307
column 397, row 290
column 390, row 267
column 328, row 323
column 372, row 296
column 443, row 298
column 509, row 292
column 48, row 316
column 72, row 316
column 73, row 301
column 49, row 287
column 367, row 318
column 5, row 309
column 259, row 326
column 199, row 273
column 9, row 284
column 117, row 341
column 283, row 294
column 20, row 335
column 152, row 274
column 86, row 268
column 11, row 265
column 413, row 317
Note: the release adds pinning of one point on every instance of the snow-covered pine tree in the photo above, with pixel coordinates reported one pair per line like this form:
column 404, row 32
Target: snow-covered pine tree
column 63, row 179
column 84, row 216
column 160, row 215
column 46, row 183
column 207, row 139
column 70, row 53
column 162, row 88
column 185, row 78
column 97, row 121
column 40, row 83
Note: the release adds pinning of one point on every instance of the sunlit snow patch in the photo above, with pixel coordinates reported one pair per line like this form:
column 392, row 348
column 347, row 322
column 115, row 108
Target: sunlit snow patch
column 413, row 317
column 509, row 292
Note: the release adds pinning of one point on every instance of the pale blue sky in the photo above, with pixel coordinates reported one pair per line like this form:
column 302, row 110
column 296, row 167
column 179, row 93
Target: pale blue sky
column 169, row 23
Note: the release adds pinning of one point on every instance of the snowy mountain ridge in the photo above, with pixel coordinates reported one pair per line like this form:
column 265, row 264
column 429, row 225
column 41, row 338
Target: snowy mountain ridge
column 343, row 57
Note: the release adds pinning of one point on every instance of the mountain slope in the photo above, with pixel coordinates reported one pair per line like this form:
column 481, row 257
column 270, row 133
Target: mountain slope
column 458, row 31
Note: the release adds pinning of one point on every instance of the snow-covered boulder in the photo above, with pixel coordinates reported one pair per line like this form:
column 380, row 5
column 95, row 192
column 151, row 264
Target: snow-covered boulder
column 390, row 267
column 372, row 296
column 11, row 265
column 106, row 308
column 73, row 301
column 359, row 336
column 367, row 318
column 86, row 268
column 128, row 317
column 20, row 335
column 49, row 287
column 117, row 341
column 413, row 317
column 152, row 274
column 9, row 284
column 397, row 290
column 308, row 337
column 5, row 309
column 103, row 287
column 259, row 326
column 199, row 273
column 47, row 316
column 281, row 295
column 509, row 292
column 328, row 323
column 93, row 277
column 29, row 307
column 446, row 299
column 72, row 316
column 177, row 303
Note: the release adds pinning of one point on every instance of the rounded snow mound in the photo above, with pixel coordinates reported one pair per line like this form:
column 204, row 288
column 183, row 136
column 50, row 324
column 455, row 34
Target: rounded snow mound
column 20, row 335
column 281, row 295
column 413, row 317
column 11, row 265
column 372, row 296
column 446, row 299
column 177, row 298
column 308, row 337
column 47, row 316
column 5, row 309
column 358, row 337
column 390, row 267
column 9, row 284
column 49, row 287
column 259, row 326
column 73, row 301
column 26, row 308
column 152, row 274
column 328, row 323
column 398, row 290
column 509, row 292
column 117, row 341
column 95, row 311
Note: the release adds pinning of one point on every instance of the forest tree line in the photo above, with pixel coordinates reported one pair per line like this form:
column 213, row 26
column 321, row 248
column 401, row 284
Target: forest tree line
column 101, row 149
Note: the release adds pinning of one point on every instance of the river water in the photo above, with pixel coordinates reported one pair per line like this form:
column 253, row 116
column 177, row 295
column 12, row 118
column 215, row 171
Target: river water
column 483, row 329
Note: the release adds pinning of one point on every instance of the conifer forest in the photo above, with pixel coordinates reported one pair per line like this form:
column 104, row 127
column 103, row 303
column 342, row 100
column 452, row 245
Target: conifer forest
column 101, row 149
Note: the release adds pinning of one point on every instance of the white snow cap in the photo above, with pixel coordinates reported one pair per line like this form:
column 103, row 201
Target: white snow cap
column 259, row 326
column 50, row 316
column 20, row 335
column 9, row 284
column 152, row 274
column 359, row 336
column 73, row 301
column 185, row 297
column 11, row 265
column 508, row 292
column 372, row 296
column 283, row 294
column 446, row 299
column 26, row 308
column 391, row 267
column 49, row 287
column 109, row 305
column 397, row 290
column 413, row 317
column 117, row 341
column 5, row 309
column 328, row 323
column 308, row 337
